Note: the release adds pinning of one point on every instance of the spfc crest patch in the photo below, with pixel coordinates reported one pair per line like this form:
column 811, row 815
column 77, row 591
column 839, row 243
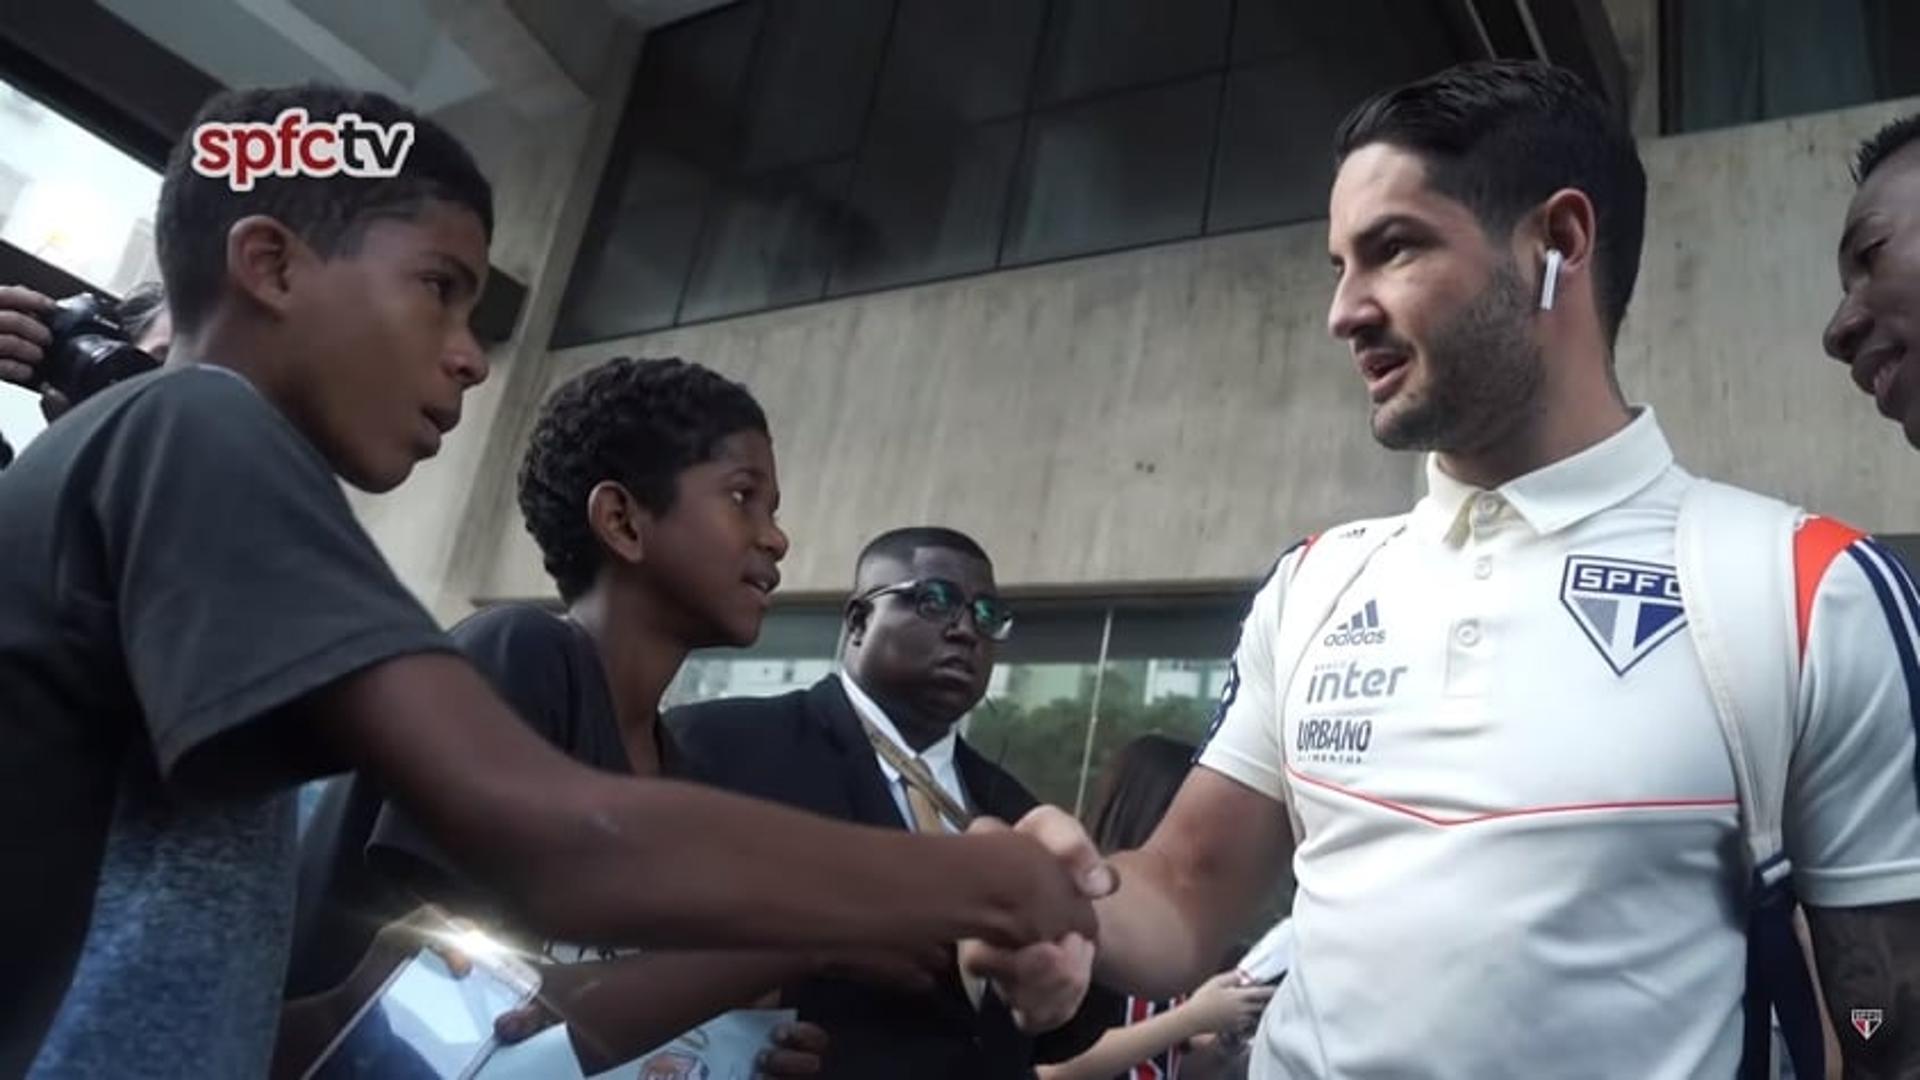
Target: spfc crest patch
column 1867, row 1021
column 1625, row 608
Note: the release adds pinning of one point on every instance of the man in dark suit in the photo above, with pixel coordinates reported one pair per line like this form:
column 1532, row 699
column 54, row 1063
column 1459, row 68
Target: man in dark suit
column 876, row 744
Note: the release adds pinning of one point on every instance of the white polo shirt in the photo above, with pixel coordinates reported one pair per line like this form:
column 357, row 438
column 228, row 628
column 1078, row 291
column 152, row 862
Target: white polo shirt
column 1520, row 855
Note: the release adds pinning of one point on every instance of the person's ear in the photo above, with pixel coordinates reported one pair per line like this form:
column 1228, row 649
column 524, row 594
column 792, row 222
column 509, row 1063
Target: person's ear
column 856, row 615
column 618, row 521
column 1563, row 248
column 261, row 257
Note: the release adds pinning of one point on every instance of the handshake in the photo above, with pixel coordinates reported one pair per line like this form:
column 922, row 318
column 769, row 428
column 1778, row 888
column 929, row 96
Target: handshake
column 1043, row 983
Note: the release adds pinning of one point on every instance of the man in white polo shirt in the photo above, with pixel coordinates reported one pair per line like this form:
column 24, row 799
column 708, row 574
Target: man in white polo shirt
column 1520, row 850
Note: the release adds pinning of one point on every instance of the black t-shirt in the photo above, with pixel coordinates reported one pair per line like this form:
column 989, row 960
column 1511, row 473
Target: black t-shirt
column 178, row 563
column 371, row 866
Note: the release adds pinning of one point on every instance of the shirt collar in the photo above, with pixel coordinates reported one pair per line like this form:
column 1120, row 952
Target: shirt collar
column 1561, row 494
column 939, row 756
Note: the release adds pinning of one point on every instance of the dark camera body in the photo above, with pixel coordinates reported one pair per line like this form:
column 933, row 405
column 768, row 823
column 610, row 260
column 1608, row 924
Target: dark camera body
column 90, row 350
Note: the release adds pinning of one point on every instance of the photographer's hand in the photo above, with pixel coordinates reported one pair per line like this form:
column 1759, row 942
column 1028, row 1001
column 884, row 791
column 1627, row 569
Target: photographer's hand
column 23, row 339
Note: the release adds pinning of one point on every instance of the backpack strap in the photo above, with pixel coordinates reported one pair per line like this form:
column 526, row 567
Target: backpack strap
column 1734, row 551
column 1749, row 567
column 1327, row 566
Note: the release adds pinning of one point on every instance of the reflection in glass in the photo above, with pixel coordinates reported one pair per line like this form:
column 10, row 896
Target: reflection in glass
column 814, row 75
column 1122, row 170
column 1097, row 46
column 951, row 63
column 837, row 146
column 769, row 241
column 1737, row 63
column 926, row 204
column 72, row 199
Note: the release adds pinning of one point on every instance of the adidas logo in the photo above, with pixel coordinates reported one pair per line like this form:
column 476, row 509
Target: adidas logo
column 1360, row 628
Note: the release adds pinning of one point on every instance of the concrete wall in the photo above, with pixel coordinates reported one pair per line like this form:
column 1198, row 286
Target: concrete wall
column 1166, row 415
column 542, row 170
column 1176, row 415
column 1738, row 281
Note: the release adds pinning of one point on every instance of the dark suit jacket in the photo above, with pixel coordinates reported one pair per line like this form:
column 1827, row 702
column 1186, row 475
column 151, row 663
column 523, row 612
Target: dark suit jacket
column 807, row 749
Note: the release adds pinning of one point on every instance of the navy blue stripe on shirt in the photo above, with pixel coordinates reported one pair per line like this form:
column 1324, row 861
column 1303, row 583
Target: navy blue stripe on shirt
column 1232, row 690
column 1899, row 604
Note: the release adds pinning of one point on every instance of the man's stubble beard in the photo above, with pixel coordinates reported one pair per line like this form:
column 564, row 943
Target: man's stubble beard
column 1483, row 376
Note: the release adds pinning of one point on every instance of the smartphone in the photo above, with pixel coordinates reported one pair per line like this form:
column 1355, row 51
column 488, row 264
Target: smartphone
column 426, row 1023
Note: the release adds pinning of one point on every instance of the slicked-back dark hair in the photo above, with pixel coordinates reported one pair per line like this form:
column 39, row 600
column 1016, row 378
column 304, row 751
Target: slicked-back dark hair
column 1501, row 136
column 329, row 213
column 1884, row 143
column 900, row 544
column 640, row 423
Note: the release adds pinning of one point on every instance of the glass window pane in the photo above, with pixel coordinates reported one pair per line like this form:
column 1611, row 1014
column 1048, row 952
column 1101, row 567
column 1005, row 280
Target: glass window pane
column 1034, row 724
column 769, row 241
column 675, row 140
column 926, row 203
column 1166, row 668
column 1183, row 628
column 72, row 199
column 1100, row 45
column 794, row 651
column 1154, row 695
column 1276, row 145
column 1054, row 632
column 76, row 202
column 1034, row 719
column 960, row 62
column 814, row 77
column 685, row 116
column 628, row 275
column 1276, row 137
column 1398, row 35
column 1122, row 170
column 1744, row 62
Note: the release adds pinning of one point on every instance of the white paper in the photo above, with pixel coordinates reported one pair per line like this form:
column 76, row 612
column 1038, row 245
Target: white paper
column 723, row 1048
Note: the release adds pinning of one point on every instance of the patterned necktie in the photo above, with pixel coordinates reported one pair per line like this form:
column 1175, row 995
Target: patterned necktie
column 927, row 819
column 926, row 816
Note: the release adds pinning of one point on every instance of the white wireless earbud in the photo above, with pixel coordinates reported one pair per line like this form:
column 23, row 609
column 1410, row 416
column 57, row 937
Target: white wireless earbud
column 1550, row 279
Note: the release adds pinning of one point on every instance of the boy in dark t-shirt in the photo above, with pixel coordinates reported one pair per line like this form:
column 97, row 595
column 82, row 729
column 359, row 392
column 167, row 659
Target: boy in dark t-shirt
column 650, row 487
column 193, row 622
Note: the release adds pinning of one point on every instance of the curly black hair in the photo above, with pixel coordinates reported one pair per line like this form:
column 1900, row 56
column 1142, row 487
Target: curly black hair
column 1886, row 142
column 638, row 422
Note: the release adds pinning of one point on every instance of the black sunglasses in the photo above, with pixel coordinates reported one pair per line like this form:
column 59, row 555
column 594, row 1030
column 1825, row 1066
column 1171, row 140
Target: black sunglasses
column 940, row 600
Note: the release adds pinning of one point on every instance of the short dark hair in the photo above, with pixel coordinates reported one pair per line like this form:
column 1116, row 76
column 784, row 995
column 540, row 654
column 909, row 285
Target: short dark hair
column 330, row 213
column 1884, row 143
column 1500, row 136
column 640, row 423
column 900, row 544
column 1139, row 786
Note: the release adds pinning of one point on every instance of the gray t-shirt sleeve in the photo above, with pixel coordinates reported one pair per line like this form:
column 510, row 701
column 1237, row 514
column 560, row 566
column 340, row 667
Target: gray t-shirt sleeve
column 241, row 580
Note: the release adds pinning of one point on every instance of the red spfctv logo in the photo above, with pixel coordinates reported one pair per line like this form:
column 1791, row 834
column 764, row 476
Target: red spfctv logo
column 294, row 145
column 1867, row 1021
